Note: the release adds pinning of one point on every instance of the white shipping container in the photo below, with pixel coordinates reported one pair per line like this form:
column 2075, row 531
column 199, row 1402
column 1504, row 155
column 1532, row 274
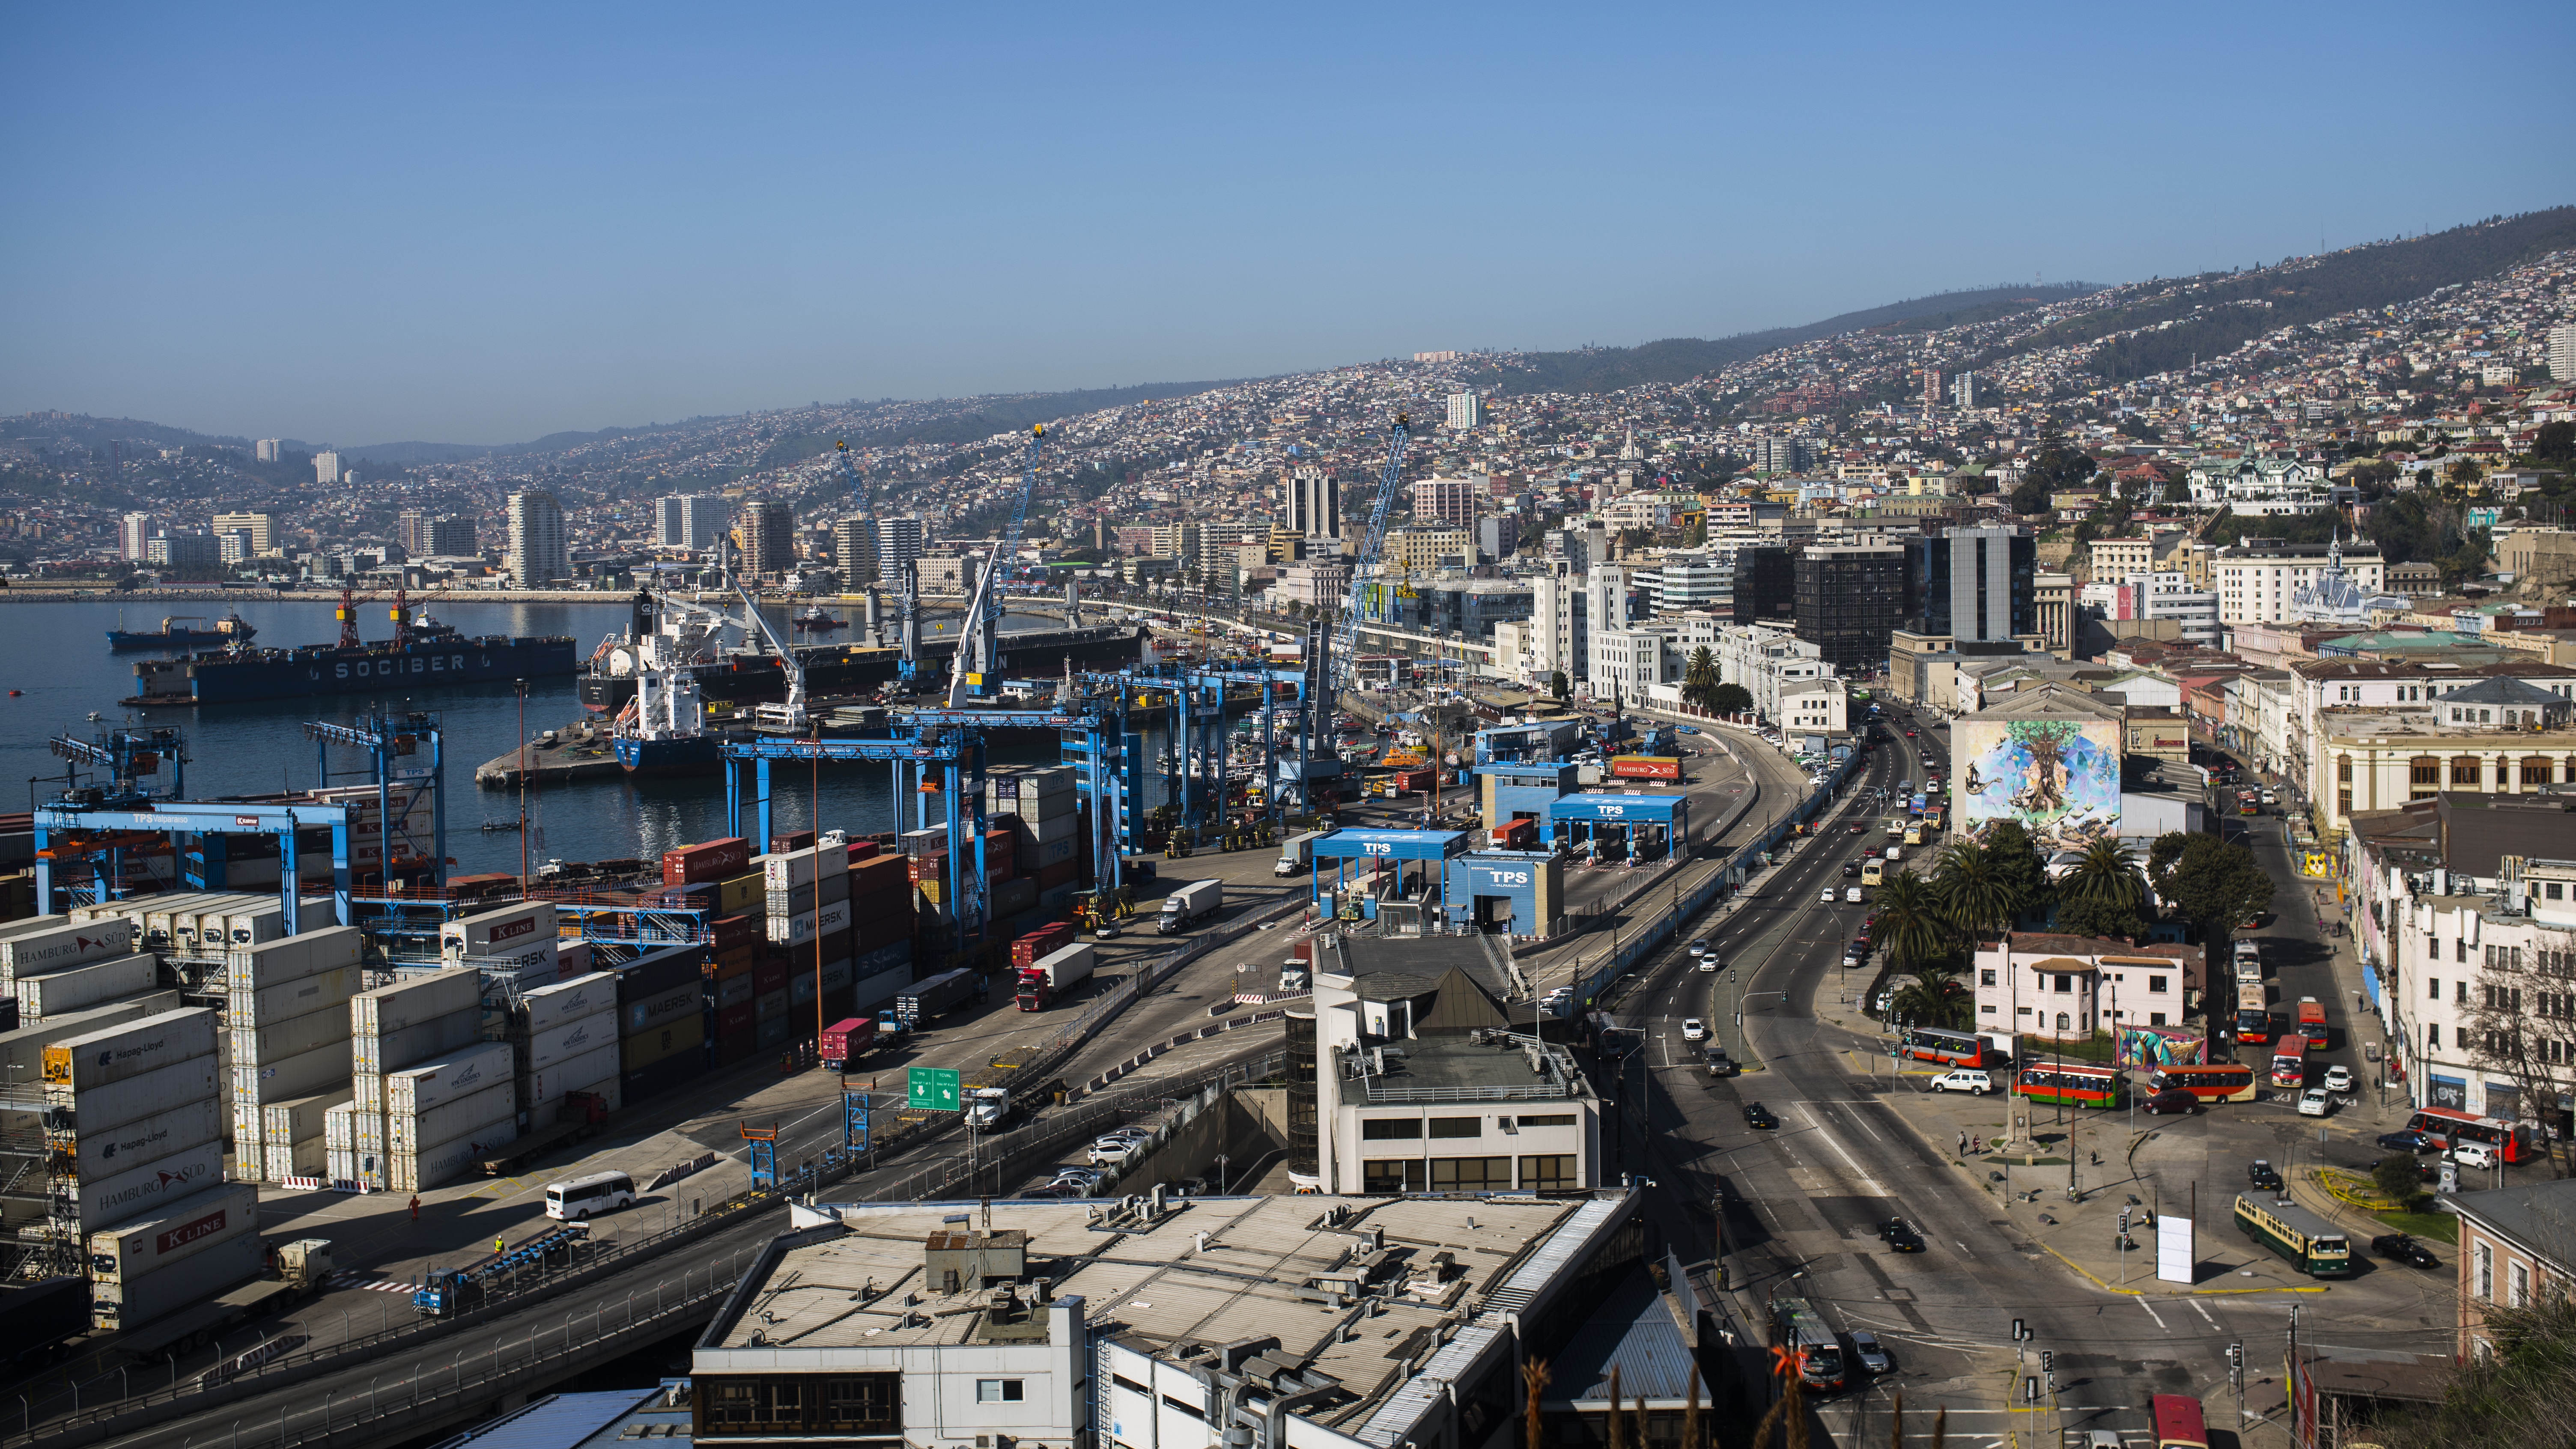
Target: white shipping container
column 297, row 1118
column 340, row 1164
column 578, row 1074
column 260, row 925
column 785, row 870
column 477, row 1068
column 574, row 958
column 540, row 963
column 112, row 1104
column 573, row 1038
column 134, row 1302
column 275, row 1041
column 296, row 1159
column 799, row 930
column 502, row 930
column 340, row 1127
column 1049, row 829
column 415, row 1045
column 1035, row 858
column 131, row 1049
column 322, row 991
column 291, row 958
column 405, row 1132
column 104, row 1151
column 92, row 983
column 177, row 1231
column 22, row 1052
column 427, row 1168
column 571, row 1000
column 367, row 1089
column 390, row 1009
column 64, row 943
column 322, row 1068
column 140, row 1187
column 368, row 1128
column 200, row 932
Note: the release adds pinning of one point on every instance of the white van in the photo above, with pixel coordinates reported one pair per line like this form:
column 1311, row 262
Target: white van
column 584, row 1197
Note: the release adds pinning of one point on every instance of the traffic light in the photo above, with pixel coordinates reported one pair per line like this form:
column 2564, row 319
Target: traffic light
column 2021, row 1330
column 2124, row 1220
column 2048, row 1360
column 2030, row 1391
column 2236, row 1355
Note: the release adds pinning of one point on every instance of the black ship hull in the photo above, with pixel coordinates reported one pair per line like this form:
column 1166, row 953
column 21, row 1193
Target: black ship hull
column 254, row 674
column 851, row 669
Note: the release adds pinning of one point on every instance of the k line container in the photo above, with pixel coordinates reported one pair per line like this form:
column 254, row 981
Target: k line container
column 297, row 1076
column 91, row 983
column 293, row 1036
column 131, row 1049
column 571, row 1001
column 406, row 1132
column 291, row 958
column 177, row 1231
column 579, row 1074
column 134, row 1302
column 106, row 1151
column 69, row 943
column 571, row 1039
column 680, row 1036
column 497, row 931
column 427, row 1168
column 461, row 1074
column 140, row 1187
column 326, row 990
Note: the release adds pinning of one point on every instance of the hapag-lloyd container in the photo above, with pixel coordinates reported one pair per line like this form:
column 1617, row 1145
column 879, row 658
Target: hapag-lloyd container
column 132, row 1302
column 70, row 989
column 36, row 951
column 22, row 1052
column 405, row 1131
column 143, row 1186
column 499, row 931
column 131, row 1049
column 105, row 1151
column 180, row 1230
column 571, row 1039
column 298, row 1118
column 292, row 958
column 325, row 990
column 414, row 1045
column 430, row 1166
column 296, row 1076
column 104, row 1108
column 277, row 1040
column 389, row 1009
column 573, row 1000
column 475, row 1069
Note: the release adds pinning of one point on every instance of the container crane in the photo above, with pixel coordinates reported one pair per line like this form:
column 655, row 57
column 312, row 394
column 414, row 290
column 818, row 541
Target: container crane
column 790, row 715
column 979, row 657
column 1345, row 652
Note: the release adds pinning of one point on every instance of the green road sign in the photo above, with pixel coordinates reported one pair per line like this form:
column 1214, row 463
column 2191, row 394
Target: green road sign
column 933, row 1089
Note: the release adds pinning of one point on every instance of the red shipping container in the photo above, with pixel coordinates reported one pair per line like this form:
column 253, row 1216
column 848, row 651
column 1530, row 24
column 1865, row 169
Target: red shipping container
column 725, row 933
column 737, row 1021
column 769, row 976
column 881, row 876
column 1000, row 859
column 1028, row 950
column 928, row 867
column 878, row 930
column 862, row 850
column 707, row 860
column 1062, row 872
column 836, row 946
column 1645, row 767
column 798, row 840
column 731, row 1050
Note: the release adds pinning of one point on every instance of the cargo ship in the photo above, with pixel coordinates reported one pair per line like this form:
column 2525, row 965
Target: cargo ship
column 748, row 676
column 432, row 657
column 230, row 630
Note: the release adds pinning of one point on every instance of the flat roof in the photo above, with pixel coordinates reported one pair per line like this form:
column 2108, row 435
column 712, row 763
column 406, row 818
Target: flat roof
column 1392, row 844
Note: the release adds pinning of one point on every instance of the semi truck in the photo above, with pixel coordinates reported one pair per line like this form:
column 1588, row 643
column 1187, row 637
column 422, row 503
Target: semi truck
column 1043, row 980
column 1297, row 853
column 928, row 1000
column 987, row 1108
column 846, row 1041
column 1188, row 905
column 302, row 1266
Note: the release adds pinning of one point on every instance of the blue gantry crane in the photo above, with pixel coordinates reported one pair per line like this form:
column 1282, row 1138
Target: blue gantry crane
column 976, row 670
column 1345, row 651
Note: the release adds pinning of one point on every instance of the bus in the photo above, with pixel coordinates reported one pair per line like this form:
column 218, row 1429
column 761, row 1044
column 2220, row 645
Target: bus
column 2253, row 1013
column 2248, row 803
column 1873, row 872
column 1914, row 833
column 2075, row 1083
column 1932, row 817
column 1795, row 1326
column 1951, row 1048
column 2512, row 1141
column 2289, row 1063
column 2312, row 1022
column 577, row 1198
column 2178, row 1422
column 2311, row 1244
column 2219, row 1083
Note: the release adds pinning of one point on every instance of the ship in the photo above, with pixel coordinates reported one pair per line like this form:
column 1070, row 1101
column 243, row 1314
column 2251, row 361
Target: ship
column 662, row 728
column 231, row 629
column 815, row 621
column 431, row 656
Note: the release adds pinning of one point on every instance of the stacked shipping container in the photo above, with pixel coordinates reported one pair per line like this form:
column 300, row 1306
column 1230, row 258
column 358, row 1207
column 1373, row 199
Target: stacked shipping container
column 287, row 1021
column 808, row 913
column 410, row 1023
column 134, row 1115
column 1037, row 804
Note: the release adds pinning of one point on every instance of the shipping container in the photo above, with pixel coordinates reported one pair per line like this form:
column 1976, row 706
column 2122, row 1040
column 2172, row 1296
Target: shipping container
column 323, row 991
column 681, row 1036
column 847, row 1040
column 389, row 1009
column 177, row 1231
column 131, row 1049
column 1012, row 897
column 414, row 1045
column 298, row 1118
column 139, row 1187
column 275, row 1041
column 447, row 1161
column 200, row 933
column 799, row 930
column 296, row 1159
column 497, row 931
column 134, row 1302
column 1645, row 767
column 112, row 1104
column 891, row 958
column 657, row 972
column 736, row 1020
column 879, row 877
column 791, row 841
column 340, row 1127
column 877, row 930
column 38, row 950
column 732, row 932
column 292, row 958
column 802, row 867
column 174, row 1128
column 571, row 1001
column 737, row 992
column 769, row 1006
column 251, row 926
column 770, row 975
column 742, row 895
column 407, row 1132
column 641, row 1016
column 580, row 1074
column 571, row 1039
column 460, row 1074
column 1028, row 950
column 91, row 983
column 705, row 861
column 301, row 1076
column 774, row 1032
column 663, row 1075
column 1067, row 851
column 738, row 961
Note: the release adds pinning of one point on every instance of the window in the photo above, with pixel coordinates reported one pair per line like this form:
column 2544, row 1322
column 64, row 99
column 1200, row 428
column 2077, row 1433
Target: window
column 2155, row 1018
column 2553, row 891
column 2518, row 1289
column 861, row 1402
column 1548, row 1173
column 2062, row 1022
column 2155, row 983
column 2535, row 771
column 2433, row 1037
column 1549, row 1119
column 2460, row 952
column 1457, row 1126
column 1989, row 1009
column 1003, row 1391
column 1471, row 1174
column 2065, row 983
column 2021, row 1011
column 1986, row 976
column 1400, row 1174
column 2343, row 768
column 2436, row 984
column 2465, row 771
column 1390, row 1129
column 2486, row 1271
column 2424, row 770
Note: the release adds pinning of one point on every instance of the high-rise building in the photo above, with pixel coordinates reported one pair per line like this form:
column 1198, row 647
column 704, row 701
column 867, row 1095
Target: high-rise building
column 1780, row 455
column 134, row 537
column 768, row 539
column 326, row 467
column 1498, row 536
column 189, row 555
column 899, row 540
column 424, row 534
column 692, row 521
column 854, row 552
column 2562, row 352
column 1931, row 389
column 1765, row 590
column 1466, row 411
column 1850, row 597
column 1444, row 502
column 262, row 528
column 1312, row 502
column 539, row 551
column 267, row 449
column 235, row 546
column 1963, row 391
column 1972, row 584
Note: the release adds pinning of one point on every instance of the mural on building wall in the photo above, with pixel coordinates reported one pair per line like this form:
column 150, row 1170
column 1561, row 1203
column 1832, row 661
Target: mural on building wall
column 2151, row 1047
column 2060, row 778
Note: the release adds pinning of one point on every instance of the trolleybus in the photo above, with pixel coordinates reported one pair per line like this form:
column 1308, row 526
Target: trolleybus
column 2512, row 1141
column 1796, row 1327
column 1951, row 1048
column 2178, row 1422
column 2075, row 1083
column 2311, row 1244
column 2221, row 1082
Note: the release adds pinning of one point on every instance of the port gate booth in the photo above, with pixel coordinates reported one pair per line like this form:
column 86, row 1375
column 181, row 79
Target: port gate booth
column 1606, row 829
column 1402, row 871
column 1508, row 790
column 1508, row 893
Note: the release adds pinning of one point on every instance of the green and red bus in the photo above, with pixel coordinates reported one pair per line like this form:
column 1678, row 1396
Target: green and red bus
column 2078, row 1084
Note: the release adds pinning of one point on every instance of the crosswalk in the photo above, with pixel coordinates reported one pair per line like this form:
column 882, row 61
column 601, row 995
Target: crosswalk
column 368, row 1281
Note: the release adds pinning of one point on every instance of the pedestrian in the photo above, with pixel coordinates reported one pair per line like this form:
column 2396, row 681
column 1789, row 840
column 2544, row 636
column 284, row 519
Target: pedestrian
column 1976, row 1145
column 496, row 1246
column 415, row 1207
column 1963, row 1144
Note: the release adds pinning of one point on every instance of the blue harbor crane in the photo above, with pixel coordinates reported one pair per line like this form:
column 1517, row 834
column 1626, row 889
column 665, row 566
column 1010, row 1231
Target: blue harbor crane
column 1345, row 652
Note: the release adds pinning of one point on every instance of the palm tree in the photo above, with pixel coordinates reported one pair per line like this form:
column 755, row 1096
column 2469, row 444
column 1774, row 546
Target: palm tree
column 1910, row 928
column 2107, row 875
column 1936, row 997
column 1699, row 679
column 1975, row 898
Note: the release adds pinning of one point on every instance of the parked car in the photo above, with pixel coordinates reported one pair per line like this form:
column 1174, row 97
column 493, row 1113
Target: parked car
column 2259, row 1173
column 2407, row 1140
column 1971, row 1080
column 2172, row 1101
column 1759, row 1118
column 1873, row 1357
column 2473, row 1154
column 2315, row 1103
column 1115, row 1152
column 2404, row 1249
column 1693, row 1029
column 2338, row 1079
column 1900, row 1235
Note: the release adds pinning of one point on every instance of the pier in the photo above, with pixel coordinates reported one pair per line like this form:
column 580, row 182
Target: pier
column 578, row 751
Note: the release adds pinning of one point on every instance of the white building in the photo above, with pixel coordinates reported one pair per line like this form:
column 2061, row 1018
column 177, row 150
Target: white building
column 1605, row 602
column 267, row 449
column 2259, row 583
column 1770, row 662
column 1311, row 504
column 2562, row 352
column 1812, row 706
column 692, row 521
column 2263, row 486
column 1683, row 582
column 326, row 467
column 2167, row 594
column 2067, row 988
column 1558, row 640
column 1630, row 661
column 1466, row 410
column 538, row 547
column 134, row 537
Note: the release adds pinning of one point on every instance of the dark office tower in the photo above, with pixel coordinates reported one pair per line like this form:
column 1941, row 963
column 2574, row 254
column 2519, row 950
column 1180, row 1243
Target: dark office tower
column 1927, row 585
column 768, row 539
column 1766, row 585
column 1849, row 599
column 1975, row 585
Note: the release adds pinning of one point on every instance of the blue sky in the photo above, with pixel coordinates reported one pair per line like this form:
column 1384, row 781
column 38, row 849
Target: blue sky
column 361, row 224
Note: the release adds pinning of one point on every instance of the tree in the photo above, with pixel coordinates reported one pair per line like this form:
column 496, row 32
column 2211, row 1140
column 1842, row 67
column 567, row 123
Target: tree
column 1699, row 679
column 1972, row 898
column 1910, row 927
column 2103, row 896
column 2398, row 1178
column 2514, row 1397
column 2016, row 861
column 1936, row 997
column 2555, row 443
column 1730, row 699
column 1557, row 684
column 2504, row 1041
column 2213, row 884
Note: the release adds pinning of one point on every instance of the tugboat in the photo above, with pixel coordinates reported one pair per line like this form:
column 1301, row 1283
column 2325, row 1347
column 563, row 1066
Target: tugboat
column 815, row 621
column 229, row 630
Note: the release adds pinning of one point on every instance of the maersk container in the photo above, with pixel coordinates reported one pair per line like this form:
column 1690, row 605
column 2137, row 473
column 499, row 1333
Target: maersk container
column 134, row 1302
column 769, row 1007
column 132, row 1100
column 298, row 1118
column 785, row 870
column 427, row 1168
column 460, row 1074
column 497, row 931
column 72, row 988
column 68, row 943
column 291, row 958
column 130, row 1049
column 681, row 1036
column 175, row 1232
column 645, row 1013
column 104, row 1151
column 298, row 1076
column 579, row 1074
column 140, row 1187
column 407, row 1131
column 327, row 990
column 572, row 1039
column 415, row 1045
column 801, row 930
column 389, row 1009
column 573, row 1000
column 293, row 1036
column 537, row 963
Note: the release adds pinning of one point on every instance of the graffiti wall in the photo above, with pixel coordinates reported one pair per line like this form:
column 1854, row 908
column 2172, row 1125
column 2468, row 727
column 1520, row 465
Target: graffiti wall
column 2150, row 1047
column 2059, row 778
